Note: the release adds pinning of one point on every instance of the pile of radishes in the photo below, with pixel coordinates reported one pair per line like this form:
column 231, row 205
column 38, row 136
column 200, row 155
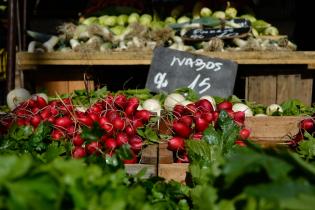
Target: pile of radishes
column 191, row 119
column 306, row 125
column 116, row 115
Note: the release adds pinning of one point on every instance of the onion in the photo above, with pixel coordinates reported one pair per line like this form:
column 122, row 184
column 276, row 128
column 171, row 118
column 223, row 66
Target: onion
column 173, row 99
column 240, row 107
column 16, row 96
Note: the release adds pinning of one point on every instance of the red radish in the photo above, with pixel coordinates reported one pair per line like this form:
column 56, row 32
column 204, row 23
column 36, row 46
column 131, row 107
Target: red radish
column 143, row 115
column 35, row 120
column 198, row 113
column 187, row 120
column 197, row 136
column 41, row 102
column 96, row 108
column 208, row 116
column 118, row 123
column 131, row 109
column 45, row 114
column 63, row 122
column 181, row 129
column 20, row 122
column 78, row 152
column 215, row 116
column 85, row 120
column 244, row 133
column 190, row 109
column 201, row 124
column 121, row 138
column 106, row 125
column 204, row 105
column 67, row 101
column 31, row 103
column 225, row 105
column 93, row 147
column 136, row 143
column 95, row 117
column 176, row 144
column 240, row 143
column 130, row 131
column 136, row 123
column 133, row 160
column 70, row 130
column 57, row 134
column 182, row 158
column 239, row 117
column 230, row 112
column 178, row 110
column 307, row 124
column 51, row 119
column 54, row 111
column 35, row 110
column 120, row 101
column 77, row 140
column 112, row 114
column 133, row 100
column 110, row 143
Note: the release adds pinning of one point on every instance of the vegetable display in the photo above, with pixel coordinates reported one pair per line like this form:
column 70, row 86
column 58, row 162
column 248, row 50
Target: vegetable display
column 142, row 31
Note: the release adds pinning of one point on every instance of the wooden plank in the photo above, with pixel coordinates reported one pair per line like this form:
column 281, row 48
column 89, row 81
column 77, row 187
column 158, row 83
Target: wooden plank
column 134, row 58
column 294, row 86
column 273, row 128
column 165, row 155
column 175, row 171
column 151, row 170
column 149, row 154
column 261, row 89
column 79, row 85
column 53, row 87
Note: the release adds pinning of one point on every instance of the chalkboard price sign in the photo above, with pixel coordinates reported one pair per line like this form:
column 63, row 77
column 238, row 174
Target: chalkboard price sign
column 203, row 34
column 171, row 69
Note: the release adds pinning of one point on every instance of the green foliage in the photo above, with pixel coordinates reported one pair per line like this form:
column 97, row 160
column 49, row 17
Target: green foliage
column 296, row 107
column 306, row 147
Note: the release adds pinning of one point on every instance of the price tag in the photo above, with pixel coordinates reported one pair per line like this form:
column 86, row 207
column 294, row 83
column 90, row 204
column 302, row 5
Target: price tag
column 171, row 69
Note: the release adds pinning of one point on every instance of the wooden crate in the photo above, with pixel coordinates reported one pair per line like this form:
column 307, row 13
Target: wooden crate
column 273, row 129
column 148, row 162
column 174, row 171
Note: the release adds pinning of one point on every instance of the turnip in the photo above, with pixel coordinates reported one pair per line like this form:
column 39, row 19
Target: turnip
column 17, row 96
column 176, row 144
column 152, row 105
column 240, row 107
column 173, row 99
column 274, row 109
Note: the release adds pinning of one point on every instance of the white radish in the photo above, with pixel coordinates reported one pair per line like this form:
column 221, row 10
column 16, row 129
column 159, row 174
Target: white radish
column 17, row 96
column 186, row 102
column 43, row 95
column 173, row 99
column 152, row 105
column 240, row 107
column 272, row 108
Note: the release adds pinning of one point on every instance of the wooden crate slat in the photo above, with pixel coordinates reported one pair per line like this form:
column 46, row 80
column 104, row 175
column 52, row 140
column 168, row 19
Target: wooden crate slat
column 174, row 171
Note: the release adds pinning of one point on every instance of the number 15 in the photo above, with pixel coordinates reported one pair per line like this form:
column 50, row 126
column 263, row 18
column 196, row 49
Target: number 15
column 204, row 83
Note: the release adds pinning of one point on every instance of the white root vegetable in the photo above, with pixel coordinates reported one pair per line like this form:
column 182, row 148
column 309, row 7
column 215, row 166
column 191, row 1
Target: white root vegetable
column 33, row 45
column 261, row 115
column 43, row 95
column 74, row 43
column 185, row 103
column 17, row 96
column 51, row 43
column 152, row 105
column 272, row 108
column 240, row 107
column 211, row 100
column 173, row 99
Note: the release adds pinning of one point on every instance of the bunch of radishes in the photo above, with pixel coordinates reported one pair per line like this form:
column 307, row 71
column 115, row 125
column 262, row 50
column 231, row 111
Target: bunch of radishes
column 117, row 116
column 306, row 125
column 192, row 119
